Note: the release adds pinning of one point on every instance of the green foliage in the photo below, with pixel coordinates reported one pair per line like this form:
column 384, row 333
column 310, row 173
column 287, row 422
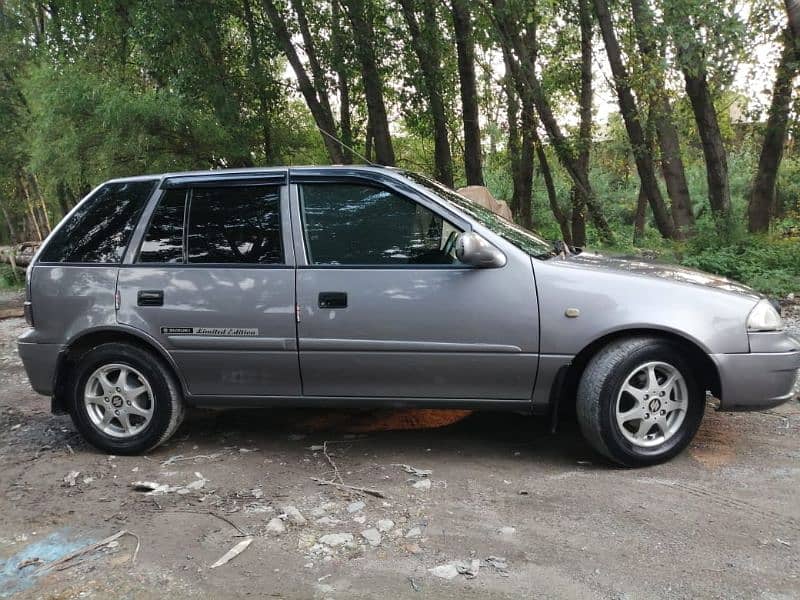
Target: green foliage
column 769, row 264
column 10, row 280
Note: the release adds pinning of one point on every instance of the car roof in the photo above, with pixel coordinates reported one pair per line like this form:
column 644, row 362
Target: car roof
column 265, row 171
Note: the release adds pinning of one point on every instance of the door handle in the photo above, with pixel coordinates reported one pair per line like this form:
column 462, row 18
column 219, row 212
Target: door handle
column 150, row 298
column 333, row 300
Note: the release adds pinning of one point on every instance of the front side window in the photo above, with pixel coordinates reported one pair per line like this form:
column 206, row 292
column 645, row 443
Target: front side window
column 525, row 240
column 163, row 242
column 355, row 224
column 99, row 231
column 235, row 225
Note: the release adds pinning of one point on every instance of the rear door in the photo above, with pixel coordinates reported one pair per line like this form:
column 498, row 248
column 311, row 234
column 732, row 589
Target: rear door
column 385, row 309
column 212, row 280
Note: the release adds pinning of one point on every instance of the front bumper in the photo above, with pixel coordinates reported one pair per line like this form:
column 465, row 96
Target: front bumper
column 762, row 379
column 40, row 361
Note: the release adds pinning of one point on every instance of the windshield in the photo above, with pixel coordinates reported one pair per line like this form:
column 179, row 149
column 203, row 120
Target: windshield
column 525, row 240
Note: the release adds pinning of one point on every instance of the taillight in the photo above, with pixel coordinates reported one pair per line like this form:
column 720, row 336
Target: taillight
column 28, row 309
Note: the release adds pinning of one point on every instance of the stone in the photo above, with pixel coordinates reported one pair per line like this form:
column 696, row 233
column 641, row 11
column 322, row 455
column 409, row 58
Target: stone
column 327, row 521
column 372, row 536
column 422, row 484
column 294, row 516
column 384, row 525
column 356, row 506
column 276, row 526
column 336, row 539
column 360, row 519
column 507, row 531
column 414, row 532
column 448, row 571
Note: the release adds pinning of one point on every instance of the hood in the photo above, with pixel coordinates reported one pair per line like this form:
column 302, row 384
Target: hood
column 662, row 271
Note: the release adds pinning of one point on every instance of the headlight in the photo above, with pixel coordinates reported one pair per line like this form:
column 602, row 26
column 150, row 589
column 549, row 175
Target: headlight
column 764, row 317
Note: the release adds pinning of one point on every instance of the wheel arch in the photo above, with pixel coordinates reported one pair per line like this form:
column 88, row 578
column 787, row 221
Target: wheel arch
column 704, row 368
column 81, row 344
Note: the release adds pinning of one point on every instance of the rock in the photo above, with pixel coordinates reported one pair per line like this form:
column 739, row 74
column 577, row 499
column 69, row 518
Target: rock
column 276, row 525
column 294, row 516
column 372, row 536
column 327, row 521
column 448, row 571
column 507, row 531
column 360, row 519
column 469, row 569
column 336, row 539
column 414, row 532
column 355, row 506
column 71, row 477
column 384, row 525
column 422, row 484
column 412, row 548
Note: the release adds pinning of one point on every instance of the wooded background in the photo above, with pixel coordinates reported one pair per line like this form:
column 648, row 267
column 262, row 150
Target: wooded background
column 663, row 127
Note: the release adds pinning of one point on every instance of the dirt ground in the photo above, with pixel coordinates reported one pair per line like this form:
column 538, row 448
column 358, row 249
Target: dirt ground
column 520, row 512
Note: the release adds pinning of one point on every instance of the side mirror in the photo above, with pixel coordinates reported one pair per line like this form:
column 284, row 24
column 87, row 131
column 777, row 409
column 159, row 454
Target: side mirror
column 473, row 249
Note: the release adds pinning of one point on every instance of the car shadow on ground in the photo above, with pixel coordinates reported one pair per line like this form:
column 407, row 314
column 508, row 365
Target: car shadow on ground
column 489, row 435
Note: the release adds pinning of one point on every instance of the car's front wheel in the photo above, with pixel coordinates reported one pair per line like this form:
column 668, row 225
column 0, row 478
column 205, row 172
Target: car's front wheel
column 124, row 400
column 639, row 402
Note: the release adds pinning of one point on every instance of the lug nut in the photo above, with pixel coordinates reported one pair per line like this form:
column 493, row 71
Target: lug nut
column 663, row 412
column 116, row 412
column 662, row 393
column 105, row 399
column 118, row 389
column 646, row 415
column 646, row 396
column 128, row 402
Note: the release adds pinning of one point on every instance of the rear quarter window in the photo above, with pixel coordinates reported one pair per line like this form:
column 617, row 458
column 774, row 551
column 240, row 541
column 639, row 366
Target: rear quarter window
column 99, row 231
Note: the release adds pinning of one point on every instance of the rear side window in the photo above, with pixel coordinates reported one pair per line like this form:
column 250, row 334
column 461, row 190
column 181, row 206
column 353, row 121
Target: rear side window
column 99, row 231
column 235, row 225
column 163, row 242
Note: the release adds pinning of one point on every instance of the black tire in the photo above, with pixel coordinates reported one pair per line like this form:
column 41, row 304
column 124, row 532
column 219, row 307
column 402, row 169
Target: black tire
column 168, row 405
column 600, row 385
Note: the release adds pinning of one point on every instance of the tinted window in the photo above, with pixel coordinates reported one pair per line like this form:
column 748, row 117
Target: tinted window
column 101, row 228
column 163, row 242
column 235, row 225
column 350, row 224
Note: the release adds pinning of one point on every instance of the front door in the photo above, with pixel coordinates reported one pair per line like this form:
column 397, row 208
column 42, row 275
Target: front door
column 213, row 282
column 387, row 311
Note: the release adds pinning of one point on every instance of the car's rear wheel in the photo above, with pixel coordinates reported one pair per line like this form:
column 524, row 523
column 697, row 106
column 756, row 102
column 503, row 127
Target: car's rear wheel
column 639, row 402
column 124, row 400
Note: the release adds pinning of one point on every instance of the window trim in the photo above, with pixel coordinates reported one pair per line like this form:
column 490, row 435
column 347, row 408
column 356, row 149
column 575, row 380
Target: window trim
column 297, row 182
column 162, row 193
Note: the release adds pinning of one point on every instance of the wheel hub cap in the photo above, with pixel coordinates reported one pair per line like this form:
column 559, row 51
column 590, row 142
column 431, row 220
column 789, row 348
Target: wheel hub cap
column 651, row 404
column 118, row 400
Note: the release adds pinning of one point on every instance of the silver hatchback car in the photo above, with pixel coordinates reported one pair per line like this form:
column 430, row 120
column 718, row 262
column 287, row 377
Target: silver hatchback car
column 368, row 286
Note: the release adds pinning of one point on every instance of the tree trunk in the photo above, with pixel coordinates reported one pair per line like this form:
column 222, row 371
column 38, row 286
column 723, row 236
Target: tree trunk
column 364, row 33
column 671, row 162
column 640, row 218
column 257, row 71
column 630, row 114
column 525, row 217
column 322, row 117
column 424, row 40
column 524, row 70
column 585, row 98
column 317, row 74
column 28, row 202
column 465, row 50
column 514, row 142
column 338, row 46
column 793, row 13
column 559, row 215
column 762, row 196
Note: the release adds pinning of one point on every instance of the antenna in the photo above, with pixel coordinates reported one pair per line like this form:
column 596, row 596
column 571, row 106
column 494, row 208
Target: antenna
column 343, row 145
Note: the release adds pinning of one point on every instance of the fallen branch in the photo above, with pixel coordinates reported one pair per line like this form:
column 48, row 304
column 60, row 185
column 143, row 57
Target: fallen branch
column 331, row 463
column 59, row 564
column 233, row 553
column 352, row 488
